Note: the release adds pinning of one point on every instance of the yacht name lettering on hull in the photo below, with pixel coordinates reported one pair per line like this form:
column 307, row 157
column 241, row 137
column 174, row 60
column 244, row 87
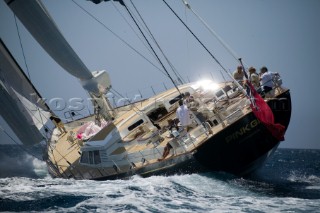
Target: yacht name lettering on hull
column 242, row 131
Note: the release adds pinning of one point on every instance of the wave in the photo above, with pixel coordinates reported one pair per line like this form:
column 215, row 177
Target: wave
column 185, row 193
column 302, row 177
column 284, row 185
column 15, row 162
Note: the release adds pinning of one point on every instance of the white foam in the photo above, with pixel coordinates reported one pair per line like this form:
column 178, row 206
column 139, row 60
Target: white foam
column 183, row 193
column 296, row 176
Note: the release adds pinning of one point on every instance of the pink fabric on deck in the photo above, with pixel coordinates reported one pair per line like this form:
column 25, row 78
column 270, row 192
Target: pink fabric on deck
column 89, row 129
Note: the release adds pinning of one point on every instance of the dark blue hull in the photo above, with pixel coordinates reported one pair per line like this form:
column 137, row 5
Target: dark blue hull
column 244, row 146
column 240, row 148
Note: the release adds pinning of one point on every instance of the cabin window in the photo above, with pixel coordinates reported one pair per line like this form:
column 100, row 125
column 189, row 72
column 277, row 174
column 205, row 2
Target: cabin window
column 136, row 124
column 215, row 122
column 227, row 88
column 172, row 101
column 90, row 157
column 219, row 93
column 84, row 157
column 96, row 156
column 158, row 113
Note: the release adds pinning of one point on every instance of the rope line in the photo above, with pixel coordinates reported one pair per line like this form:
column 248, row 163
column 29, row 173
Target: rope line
column 28, row 73
column 20, row 41
column 224, row 44
column 117, row 36
column 196, row 37
column 142, row 41
column 169, row 76
column 208, row 51
column 179, row 77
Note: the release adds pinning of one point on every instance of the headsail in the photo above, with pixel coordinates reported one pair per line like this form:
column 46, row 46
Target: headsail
column 38, row 115
column 21, row 105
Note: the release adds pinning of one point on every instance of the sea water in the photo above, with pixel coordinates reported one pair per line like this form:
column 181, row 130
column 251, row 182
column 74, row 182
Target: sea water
column 289, row 182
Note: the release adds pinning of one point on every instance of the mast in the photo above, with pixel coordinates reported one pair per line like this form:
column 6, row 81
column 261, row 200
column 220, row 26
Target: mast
column 38, row 22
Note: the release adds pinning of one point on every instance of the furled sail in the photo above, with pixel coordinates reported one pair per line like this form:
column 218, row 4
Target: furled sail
column 21, row 105
column 39, row 23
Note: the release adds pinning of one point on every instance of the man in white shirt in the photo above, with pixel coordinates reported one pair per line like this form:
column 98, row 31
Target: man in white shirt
column 183, row 114
column 266, row 80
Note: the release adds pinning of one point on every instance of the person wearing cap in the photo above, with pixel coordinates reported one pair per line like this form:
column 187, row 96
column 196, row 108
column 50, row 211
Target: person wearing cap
column 254, row 78
column 238, row 74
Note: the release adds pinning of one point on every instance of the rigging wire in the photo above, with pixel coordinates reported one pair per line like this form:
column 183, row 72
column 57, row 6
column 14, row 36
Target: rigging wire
column 117, row 36
column 208, row 51
column 222, row 76
column 187, row 41
column 142, row 41
column 24, row 57
column 179, row 77
column 130, row 103
column 144, row 25
column 28, row 73
column 214, row 58
column 215, row 34
column 169, row 76
column 135, row 108
column 120, row 95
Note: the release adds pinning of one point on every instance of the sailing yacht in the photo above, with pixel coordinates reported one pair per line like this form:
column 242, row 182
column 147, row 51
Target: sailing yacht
column 233, row 129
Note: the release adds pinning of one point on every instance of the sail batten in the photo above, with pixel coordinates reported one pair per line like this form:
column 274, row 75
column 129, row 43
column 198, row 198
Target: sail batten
column 39, row 23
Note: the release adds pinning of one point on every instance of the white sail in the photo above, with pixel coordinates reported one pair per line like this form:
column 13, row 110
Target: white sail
column 27, row 132
column 21, row 105
column 42, row 27
column 39, row 116
column 39, row 23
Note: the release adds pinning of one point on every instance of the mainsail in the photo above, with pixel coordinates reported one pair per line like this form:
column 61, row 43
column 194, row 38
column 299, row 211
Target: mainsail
column 42, row 27
column 21, row 105
column 39, row 23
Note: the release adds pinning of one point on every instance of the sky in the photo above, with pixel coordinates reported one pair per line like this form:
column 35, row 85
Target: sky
column 282, row 35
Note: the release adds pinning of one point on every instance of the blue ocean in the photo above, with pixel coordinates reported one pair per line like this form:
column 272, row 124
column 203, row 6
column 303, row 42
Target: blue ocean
column 289, row 182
